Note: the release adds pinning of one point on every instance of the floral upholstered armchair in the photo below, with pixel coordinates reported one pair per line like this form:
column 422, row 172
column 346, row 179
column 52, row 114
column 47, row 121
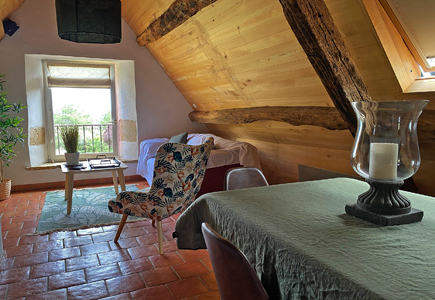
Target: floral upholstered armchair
column 178, row 174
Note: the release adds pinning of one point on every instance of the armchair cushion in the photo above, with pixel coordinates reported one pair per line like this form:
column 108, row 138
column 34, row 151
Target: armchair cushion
column 123, row 204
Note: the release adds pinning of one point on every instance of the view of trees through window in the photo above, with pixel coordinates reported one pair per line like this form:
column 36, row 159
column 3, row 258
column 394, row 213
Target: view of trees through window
column 88, row 108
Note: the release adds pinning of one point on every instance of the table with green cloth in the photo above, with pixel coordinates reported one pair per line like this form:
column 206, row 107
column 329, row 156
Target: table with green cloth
column 303, row 245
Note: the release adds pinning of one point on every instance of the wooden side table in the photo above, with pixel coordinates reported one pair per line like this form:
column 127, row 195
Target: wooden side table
column 69, row 179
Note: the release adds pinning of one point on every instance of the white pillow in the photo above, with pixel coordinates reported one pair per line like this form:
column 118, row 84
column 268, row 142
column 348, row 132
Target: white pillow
column 196, row 139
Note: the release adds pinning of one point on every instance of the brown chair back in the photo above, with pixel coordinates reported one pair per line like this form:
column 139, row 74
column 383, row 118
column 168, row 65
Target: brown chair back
column 236, row 279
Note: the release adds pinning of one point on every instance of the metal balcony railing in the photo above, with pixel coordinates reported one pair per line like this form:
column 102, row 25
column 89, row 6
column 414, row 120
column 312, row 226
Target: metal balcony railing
column 93, row 138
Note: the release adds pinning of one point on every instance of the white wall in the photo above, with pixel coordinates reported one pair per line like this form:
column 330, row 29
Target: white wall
column 162, row 110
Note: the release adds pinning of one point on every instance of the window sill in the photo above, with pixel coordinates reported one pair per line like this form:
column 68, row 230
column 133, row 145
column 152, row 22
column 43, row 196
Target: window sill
column 51, row 166
column 421, row 85
column 47, row 166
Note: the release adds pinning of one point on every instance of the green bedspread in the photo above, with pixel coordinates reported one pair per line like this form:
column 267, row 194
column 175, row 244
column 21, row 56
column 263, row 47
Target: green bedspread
column 303, row 245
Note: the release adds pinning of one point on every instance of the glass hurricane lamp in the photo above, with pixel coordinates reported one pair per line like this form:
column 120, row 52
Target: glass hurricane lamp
column 385, row 152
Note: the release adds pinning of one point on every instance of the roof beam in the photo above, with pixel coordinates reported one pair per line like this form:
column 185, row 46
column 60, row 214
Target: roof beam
column 178, row 13
column 316, row 32
column 322, row 116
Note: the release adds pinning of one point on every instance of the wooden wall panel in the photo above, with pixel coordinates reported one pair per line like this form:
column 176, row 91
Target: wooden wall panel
column 243, row 53
column 284, row 133
column 284, row 160
column 425, row 176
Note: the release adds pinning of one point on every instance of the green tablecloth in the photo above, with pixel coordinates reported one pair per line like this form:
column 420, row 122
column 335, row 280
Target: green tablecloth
column 303, row 245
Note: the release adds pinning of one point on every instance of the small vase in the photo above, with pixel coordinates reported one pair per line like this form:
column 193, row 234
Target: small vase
column 72, row 159
column 385, row 153
column 5, row 189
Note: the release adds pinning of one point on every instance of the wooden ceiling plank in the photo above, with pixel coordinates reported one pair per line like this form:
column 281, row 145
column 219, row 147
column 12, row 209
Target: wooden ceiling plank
column 242, row 33
column 274, row 39
column 267, row 56
column 262, row 63
column 183, row 51
column 346, row 12
column 135, row 9
column 150, row 14
column 288, row 93
column 227, row 18
column 290, row 51
column 7, row 7
column 235, row 16
column 128, row 7
column 292, row 66
column 189, row 39
column 245, row 27
column 224, row 10
column 302, row 75
column 281, row 100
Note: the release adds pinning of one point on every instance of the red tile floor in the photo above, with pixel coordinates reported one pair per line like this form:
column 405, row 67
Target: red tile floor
column 87, row 264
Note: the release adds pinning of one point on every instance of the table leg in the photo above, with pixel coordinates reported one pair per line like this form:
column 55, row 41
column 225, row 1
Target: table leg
column 121, row 179
column 115, row 182
column 69, row 186
column 66, row 187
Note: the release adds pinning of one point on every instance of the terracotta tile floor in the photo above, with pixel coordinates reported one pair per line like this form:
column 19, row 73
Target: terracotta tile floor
column 87, row 264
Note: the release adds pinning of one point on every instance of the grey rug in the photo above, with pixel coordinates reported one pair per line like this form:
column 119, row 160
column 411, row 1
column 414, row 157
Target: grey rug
column 89, row 209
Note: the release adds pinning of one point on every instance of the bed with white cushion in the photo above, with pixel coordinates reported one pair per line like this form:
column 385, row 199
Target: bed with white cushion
column 226, row 154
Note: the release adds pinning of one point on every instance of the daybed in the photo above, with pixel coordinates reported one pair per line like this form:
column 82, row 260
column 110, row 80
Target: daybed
column 226, row 154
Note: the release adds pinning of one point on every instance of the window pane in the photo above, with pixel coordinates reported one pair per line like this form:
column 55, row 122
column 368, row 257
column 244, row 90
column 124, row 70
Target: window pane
column 91, row 110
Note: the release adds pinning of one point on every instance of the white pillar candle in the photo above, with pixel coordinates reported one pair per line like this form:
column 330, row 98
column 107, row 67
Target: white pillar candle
column 383, row 161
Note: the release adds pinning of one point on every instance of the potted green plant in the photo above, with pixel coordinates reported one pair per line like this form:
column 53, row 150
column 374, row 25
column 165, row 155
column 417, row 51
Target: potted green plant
column 70, row 138
column 11, row 132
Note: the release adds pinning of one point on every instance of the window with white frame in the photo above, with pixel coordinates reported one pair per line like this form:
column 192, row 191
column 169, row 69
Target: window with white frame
column 82, row 95
column 42, row 139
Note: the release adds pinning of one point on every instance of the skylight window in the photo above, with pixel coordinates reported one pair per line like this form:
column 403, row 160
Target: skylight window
column 406, row 37
column 410, row 19
column 431, row 61
column 425, row 74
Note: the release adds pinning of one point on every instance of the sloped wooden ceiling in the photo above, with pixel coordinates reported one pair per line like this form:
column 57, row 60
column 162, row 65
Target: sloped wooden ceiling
column 243, row 54
column 7, row 7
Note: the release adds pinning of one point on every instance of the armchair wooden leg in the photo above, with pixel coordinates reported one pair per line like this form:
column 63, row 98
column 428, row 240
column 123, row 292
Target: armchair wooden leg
column 120, row 227
column 153, row 223
column 160, row 236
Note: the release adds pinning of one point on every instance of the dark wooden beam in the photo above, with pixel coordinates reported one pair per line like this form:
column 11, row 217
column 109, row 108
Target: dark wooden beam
column 316, row 32
column 326, row 117
column 178, row 13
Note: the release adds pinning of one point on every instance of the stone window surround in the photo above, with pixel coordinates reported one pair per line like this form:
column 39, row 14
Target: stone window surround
column 125, row 98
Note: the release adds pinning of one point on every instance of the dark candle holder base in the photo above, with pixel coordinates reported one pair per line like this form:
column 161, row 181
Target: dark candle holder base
column 383, row 205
